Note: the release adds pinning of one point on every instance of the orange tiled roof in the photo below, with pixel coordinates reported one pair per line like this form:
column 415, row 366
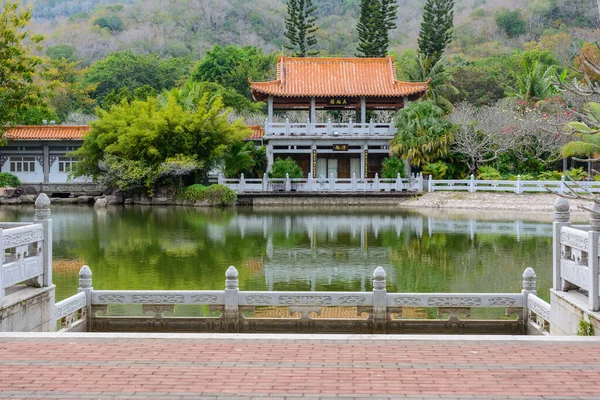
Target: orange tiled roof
column 330, row 77
column 257, row 132
column 47, row 132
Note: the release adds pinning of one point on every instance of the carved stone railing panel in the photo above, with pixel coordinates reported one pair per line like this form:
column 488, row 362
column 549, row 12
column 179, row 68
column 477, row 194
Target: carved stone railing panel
column 305, row 299
column 539, row 315
column 574, row 238
column 575, row 273
column 22, row 235
column 455, row 300
column 70, row 305
column 157, row 297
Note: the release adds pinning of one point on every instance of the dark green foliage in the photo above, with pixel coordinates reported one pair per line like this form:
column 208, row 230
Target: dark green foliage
column 112, row 22
column 437, row 170
column 9, row 180
column 35, row 115
column 59, row 51
column 245, row 158
column 220, row 195
column 300, row 27
column 193, row 192
column 436, row 28
column 282, row 167
column 126, row 69
column 377, row 18
column 392, row 166
column 476, row 86
column 231, row 67
column 510, row 22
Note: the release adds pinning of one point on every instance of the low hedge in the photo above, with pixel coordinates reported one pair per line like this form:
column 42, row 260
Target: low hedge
column 217, row 195
column 9, row 180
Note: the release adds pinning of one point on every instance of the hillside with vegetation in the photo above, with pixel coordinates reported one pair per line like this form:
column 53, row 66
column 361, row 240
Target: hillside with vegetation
column 512, row 83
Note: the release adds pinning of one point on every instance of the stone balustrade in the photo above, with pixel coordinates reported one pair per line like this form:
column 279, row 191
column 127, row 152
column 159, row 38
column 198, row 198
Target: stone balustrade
column 329, row 129
column 238, row 311
column 331, row 184
column 27, row 250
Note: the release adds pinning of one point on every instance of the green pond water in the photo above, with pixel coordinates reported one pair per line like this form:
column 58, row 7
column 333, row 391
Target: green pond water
column 308, row 249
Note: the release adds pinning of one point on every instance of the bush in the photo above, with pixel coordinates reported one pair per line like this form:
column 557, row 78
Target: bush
column 288, row 166
column 577, row 174
column 112, row 23
column 220, row 195
column 217, row 195
column 391, row 167
column 488, row 173
column 550, row 176
column 437, row 169
column 193, row 192
column 510, row 22
column 9, row 180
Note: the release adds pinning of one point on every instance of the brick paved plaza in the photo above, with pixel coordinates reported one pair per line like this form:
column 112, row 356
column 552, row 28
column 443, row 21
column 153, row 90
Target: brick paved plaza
column 101, row 366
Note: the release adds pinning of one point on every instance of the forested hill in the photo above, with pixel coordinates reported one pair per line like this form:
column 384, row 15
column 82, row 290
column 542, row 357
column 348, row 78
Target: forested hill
column 176, row 28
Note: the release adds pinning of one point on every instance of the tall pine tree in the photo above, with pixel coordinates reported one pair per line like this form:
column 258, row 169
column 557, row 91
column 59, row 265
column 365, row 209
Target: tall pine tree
column 377, row 18
column 300, row 27
column 436, row 28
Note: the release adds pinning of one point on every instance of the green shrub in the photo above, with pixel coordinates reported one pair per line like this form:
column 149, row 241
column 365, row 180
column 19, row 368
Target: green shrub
column 437, row 169
column 9, row 180
column 488, row 173
column 391, row 167
column 220, row 195
column 510, row 22
column 288, row 166
column 550, row 176
column 193, row 192
column 577, row 174
column 217, row 195
column 524, row 177
column 585, row 328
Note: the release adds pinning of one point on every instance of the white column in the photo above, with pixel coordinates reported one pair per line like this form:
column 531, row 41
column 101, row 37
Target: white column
column 46, row 163
column 42, row 216
column 313, row 110
column 562, row 218
column 270, row 109
column 405, row 101
column 363, row 110
column 593, row 262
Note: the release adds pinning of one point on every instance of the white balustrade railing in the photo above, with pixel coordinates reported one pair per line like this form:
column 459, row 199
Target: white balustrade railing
column 328, row 129
column 576, row 260
column 516, row 186
column 331, row 184
column 27, row 250
column 539, row 315
column 233, row 310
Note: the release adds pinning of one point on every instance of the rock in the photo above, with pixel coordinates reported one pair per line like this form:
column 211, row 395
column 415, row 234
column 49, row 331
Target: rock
column 114, row 199
column 10, row 201
column 160, row 200
column 27, row 198
column 30, row 190
column 65, row 200
column 85, row 199
column 100, row 203
column 128, row 200
column 7, row 192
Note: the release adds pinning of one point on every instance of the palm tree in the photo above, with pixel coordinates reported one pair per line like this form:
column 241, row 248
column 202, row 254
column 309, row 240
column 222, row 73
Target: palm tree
column 247, row 159
column 423, row 134
column 422, row 69
column 534, row 82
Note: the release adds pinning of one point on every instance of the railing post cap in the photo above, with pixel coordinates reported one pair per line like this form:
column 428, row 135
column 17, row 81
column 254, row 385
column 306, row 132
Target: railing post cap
column 379, row 274
column 561, row 210
column 85, row 272
column 595, row 217
column 42, row 202
column 231, row 273
column 529, row 274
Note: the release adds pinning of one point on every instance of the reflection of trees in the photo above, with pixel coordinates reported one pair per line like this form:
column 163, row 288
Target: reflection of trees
column 454, row 263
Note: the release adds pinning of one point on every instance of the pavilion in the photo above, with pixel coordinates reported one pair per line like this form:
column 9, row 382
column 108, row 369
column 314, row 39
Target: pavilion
column 355, row 147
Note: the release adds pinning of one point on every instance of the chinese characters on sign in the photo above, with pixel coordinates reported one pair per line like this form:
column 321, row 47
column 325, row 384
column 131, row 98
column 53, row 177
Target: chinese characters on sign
column 340, row 147
column 338, row 101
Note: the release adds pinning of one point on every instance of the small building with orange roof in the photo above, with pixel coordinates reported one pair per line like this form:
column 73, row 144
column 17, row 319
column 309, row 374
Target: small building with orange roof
column 338, row 99
column 38, row 153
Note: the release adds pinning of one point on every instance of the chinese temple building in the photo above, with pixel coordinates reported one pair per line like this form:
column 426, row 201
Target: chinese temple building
column 322, row 147
column 38, row 154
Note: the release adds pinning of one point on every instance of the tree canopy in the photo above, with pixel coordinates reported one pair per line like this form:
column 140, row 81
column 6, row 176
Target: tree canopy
column 300, row 27
column 436, row 28
column 377, row 18
column 17, row 64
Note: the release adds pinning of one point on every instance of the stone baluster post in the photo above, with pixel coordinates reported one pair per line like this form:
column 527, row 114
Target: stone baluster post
column 42, row 216
column 371, row 127
column 376, row 183
column 288, row 183
column 310, row 182
column 398, row 183
column 287, row 127
column 331, row 182
column 430, row 184
column 593, row 262
column 518, row 185
column 85, row 285
column 472, row 184
column 265, row 183
column 420, row 182
column 308, row 127
column 561, row 186
column 221, row 178
column 231, row 314
column 328, row 126
column 354, row 183
column 529, row 287
column 379, row 301
column 267, row 127
column 242, row 185
column 562, row 218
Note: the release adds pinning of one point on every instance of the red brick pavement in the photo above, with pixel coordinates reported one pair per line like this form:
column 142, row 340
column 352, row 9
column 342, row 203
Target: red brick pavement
column 235, row 367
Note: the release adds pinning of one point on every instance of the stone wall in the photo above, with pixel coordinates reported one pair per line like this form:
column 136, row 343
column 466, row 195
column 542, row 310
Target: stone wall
column 28, row 309
column 568, row 308
column 342, row 199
